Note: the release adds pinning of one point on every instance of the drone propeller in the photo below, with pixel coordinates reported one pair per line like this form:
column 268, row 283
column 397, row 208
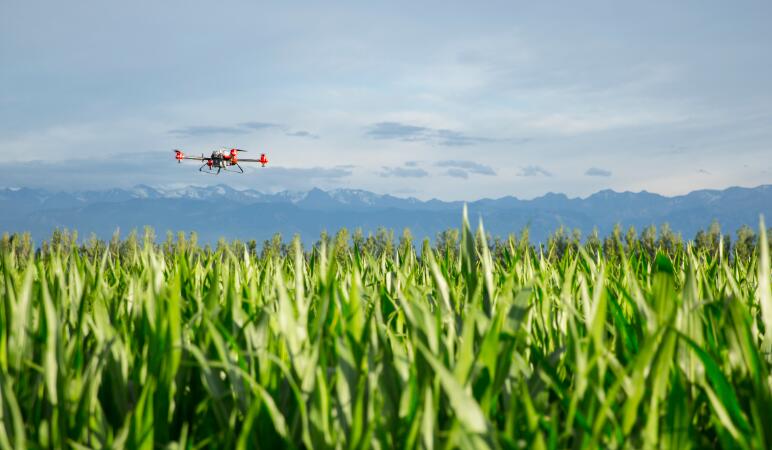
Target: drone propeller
column 231, row 148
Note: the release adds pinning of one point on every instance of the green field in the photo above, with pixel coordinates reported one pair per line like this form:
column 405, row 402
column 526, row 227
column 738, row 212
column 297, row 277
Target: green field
column 626, row 344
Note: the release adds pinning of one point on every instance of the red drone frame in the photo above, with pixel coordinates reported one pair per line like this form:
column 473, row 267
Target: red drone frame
column 221, row 160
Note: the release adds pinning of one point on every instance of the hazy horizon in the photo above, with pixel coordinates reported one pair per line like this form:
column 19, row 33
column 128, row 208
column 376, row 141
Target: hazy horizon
column 176, row 188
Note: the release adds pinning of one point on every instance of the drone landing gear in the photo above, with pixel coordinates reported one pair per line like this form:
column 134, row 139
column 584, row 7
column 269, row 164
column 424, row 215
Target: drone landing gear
column 209, row 171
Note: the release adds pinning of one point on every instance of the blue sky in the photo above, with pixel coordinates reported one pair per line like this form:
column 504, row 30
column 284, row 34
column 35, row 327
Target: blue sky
column 455, row 100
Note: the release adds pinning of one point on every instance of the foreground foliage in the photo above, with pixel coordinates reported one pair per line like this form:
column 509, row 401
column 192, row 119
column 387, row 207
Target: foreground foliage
column 347, row 348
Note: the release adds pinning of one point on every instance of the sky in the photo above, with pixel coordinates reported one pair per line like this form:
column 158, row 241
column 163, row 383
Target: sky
column 449, row 100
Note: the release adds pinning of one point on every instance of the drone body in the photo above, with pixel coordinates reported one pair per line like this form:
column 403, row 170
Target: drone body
column 221, row 160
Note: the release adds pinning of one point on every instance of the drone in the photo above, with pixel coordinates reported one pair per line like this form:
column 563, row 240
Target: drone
column 223, row 160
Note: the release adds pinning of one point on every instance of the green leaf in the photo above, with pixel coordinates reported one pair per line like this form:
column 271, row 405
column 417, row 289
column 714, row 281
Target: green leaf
column 465, row 408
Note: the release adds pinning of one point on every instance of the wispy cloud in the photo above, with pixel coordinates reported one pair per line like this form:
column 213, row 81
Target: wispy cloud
column 457, row 173
column 597, row 172
column 468, row 166
column 303, row 134
column 259, row 125
column 396, row 130
column 534, row 171
column 403, row 172
column 458, row 139
column 205, row 130
column 414, row 133
column 241, row 128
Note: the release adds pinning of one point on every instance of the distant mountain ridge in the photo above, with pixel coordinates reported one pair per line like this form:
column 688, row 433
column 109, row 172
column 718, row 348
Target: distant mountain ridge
column 220, row 210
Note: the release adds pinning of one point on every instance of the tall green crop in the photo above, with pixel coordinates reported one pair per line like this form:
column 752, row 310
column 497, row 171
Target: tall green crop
column 349, row 348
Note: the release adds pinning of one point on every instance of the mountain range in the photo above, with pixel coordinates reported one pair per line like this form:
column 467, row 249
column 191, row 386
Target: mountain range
column 221, row 211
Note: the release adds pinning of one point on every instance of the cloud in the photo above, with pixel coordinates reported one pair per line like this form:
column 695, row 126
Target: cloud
column 259, row 125
column 302, row 133
column 469, row 166
column 597, row 172
column 534, row 171
column 205, row 130
column 411, row 163
column 457, row 139
column 414, row 133
column 242, row 128
column 404, row 172
column 395, row 130
column 457, row 173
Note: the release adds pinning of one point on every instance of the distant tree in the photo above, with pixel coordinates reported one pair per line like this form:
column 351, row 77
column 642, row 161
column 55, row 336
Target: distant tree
column 668, row 241
column 501, row 248
column 273, row 248
column 385, row 242
column 447, row 243
column 711, row 240
column 340, row 245
column 649, row 240
column 746, row 242
column 558, row 244
column 701, row 240
column 592, row 244
column 576, row 240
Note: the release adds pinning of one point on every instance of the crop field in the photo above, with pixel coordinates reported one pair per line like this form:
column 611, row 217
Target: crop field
column 343, row 347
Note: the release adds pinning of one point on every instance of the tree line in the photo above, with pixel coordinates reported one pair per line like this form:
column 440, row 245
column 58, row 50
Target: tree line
column 560, row 243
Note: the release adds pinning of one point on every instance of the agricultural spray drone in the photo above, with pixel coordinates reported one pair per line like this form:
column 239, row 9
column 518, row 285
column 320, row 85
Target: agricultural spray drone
column 222, row 160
